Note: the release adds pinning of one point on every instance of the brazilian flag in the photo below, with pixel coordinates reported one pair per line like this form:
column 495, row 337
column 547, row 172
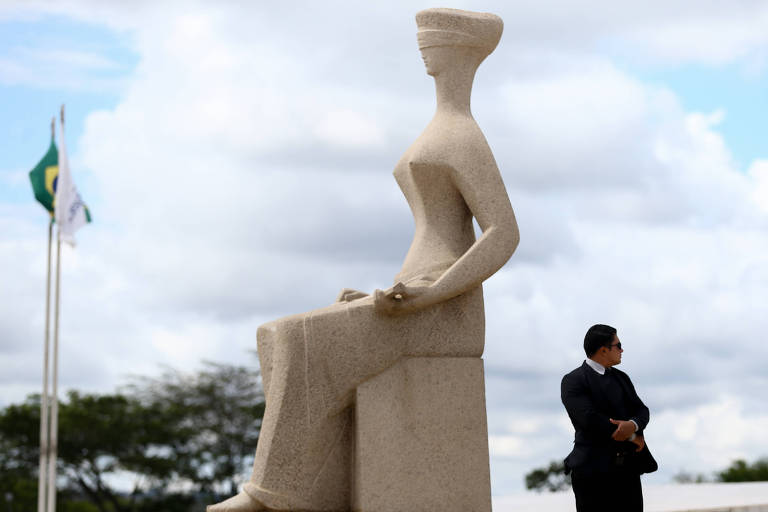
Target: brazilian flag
column 44, row 177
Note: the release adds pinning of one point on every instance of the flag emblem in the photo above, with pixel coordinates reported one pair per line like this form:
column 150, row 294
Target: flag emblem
column 44, row 178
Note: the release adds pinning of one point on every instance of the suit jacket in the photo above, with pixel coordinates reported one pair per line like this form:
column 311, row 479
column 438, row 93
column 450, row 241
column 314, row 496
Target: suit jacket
column 592, row 400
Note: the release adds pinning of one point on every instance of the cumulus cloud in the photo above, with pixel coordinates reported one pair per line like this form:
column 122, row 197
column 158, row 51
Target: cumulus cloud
column 714, row 35
column 758, row 171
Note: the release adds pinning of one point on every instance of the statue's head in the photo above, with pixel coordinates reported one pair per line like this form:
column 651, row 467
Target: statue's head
column 451, row 36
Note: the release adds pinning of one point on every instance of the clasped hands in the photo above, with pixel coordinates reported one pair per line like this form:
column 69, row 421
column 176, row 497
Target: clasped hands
column 396, row 300
column 623, row 432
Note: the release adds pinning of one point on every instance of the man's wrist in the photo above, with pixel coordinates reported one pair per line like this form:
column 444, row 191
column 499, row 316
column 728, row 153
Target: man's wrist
column 637, row 427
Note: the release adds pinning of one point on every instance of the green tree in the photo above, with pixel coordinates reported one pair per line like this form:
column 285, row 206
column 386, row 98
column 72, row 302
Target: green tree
column 551, row 478
column 98, row 436
column 19, row 440
column 215, row 416
column 684, row 477
column 101, row 435
column 194, row 432
column 741, row 471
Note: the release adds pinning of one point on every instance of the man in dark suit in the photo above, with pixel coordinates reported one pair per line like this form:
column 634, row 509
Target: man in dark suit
column 609, row 419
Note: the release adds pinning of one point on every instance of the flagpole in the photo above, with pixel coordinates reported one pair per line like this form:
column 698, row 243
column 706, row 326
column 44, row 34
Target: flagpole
column 55, row 374
column 54, row 391
column 41, row 479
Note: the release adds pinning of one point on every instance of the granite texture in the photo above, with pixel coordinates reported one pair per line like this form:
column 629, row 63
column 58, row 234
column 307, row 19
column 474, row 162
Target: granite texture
column 314, row 364
column 422, row 438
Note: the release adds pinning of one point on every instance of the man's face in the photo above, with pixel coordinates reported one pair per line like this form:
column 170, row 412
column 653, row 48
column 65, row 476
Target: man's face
column 613, row 354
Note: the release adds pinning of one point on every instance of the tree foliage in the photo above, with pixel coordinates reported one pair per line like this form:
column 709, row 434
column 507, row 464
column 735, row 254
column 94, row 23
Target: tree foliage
column 102, row 435
column 215, row 416
column 550, row 478
column 553, row 477
column 19, row 449
column 741, row 471
column 684, row 477
column 176, row 439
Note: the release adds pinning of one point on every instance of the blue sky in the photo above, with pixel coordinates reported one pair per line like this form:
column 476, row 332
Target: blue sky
column 742, row 94
column 29, row 98
column 237, row 161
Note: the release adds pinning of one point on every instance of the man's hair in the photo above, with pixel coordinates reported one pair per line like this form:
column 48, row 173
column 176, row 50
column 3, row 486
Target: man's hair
column 598, row 336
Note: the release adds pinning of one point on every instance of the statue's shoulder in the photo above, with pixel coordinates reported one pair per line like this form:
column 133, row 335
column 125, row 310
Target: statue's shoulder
column 468, row 149
column 460, row 128
column 453, row 139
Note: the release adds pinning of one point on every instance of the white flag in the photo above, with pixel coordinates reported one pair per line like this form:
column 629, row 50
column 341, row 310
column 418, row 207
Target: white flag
column 70, row 211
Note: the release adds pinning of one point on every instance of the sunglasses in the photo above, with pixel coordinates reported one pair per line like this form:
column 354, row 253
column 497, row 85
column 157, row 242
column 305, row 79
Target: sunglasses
column 617, row 345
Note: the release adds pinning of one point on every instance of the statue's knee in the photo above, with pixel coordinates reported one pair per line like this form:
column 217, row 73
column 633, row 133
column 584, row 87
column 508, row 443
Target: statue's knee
column 266, row 332
column 286, row 327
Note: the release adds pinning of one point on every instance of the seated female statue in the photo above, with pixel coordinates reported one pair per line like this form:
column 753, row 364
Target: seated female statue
column 312, row 363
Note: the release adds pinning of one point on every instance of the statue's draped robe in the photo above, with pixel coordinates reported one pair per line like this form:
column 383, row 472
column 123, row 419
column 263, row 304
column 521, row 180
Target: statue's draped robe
column 311, row 365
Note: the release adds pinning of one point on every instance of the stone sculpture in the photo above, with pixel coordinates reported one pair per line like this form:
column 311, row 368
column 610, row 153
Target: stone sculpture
column 315, row 364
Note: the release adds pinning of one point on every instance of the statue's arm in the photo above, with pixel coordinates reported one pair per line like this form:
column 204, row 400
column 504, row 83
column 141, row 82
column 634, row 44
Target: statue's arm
column 484, row 192
column 482, row 188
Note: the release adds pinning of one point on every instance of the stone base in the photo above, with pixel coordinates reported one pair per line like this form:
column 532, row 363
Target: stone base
column 422, row 438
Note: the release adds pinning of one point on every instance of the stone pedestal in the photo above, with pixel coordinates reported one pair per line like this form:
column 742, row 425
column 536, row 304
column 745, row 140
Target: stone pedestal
column 422, row 438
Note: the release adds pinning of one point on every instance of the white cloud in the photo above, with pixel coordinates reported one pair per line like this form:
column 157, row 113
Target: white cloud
column 711, row 34
column 587, row 108
column 758, row 171
column 506, row 446
column 712, row 435
column 346, row 128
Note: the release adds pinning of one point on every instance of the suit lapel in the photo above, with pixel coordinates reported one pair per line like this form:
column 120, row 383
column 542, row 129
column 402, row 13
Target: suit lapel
column 621, row 379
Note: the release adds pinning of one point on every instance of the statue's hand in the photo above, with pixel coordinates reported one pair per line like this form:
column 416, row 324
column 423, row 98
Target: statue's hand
column 401, row 299
column 348, row 295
